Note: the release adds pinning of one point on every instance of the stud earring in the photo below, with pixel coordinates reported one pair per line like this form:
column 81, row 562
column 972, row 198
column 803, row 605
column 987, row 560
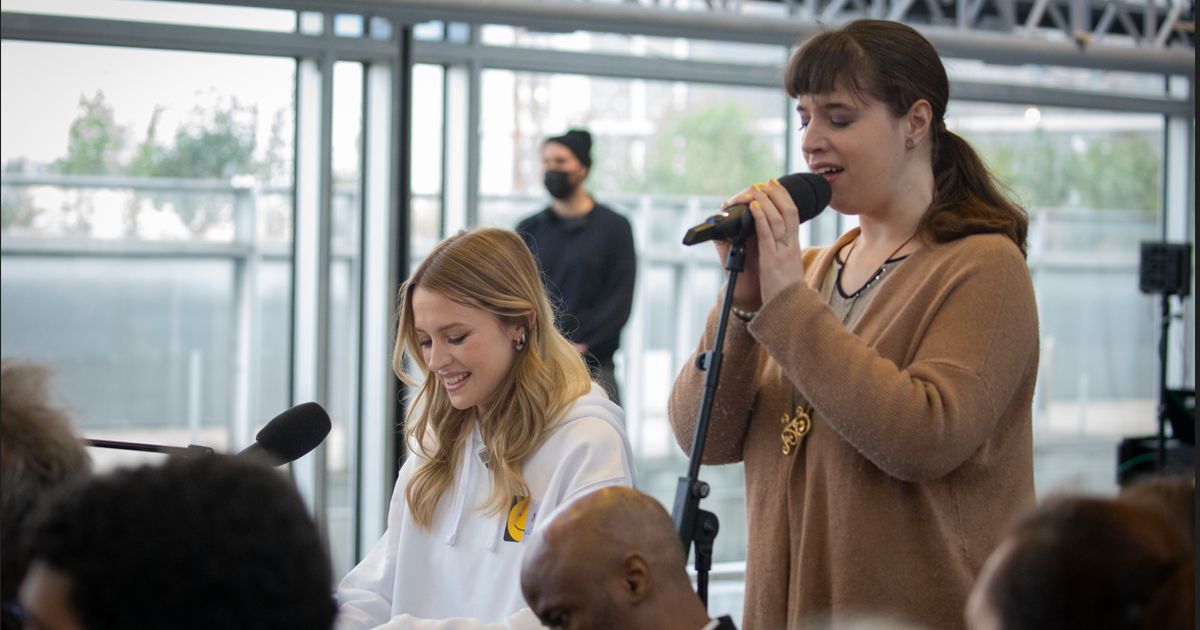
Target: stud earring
column 908, row 144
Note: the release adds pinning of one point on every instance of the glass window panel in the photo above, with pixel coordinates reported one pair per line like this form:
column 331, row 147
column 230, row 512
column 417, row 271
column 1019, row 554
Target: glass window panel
column 648, row 136
column 426, row 165
column 429, row 31
column 168, row 315
column 311, row 23
column 348, row 25
column 253, row 18
column 1092, row 183
column 1072, row 159
column 458, row 32
column 147, row 201
column 380, row 28
column 634, row 45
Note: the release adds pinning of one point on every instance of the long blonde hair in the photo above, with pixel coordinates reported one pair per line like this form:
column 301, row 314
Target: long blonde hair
column 490, row 269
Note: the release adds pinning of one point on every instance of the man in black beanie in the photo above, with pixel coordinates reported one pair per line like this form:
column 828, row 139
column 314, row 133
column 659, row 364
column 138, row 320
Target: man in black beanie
column 585, row 250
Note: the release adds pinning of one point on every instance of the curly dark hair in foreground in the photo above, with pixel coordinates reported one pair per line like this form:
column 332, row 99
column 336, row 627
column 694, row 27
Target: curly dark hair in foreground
column 211, row 542
column 38, row 452
column 1096, row 564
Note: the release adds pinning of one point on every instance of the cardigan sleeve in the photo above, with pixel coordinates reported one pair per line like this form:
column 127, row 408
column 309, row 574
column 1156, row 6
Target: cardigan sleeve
column 734, row 397
column 976, row 341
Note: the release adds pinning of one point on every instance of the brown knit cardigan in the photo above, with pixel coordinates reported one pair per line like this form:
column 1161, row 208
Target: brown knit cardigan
column 920, row 452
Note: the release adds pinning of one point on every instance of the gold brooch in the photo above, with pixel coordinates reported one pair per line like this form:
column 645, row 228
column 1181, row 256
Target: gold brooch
column 795, row 427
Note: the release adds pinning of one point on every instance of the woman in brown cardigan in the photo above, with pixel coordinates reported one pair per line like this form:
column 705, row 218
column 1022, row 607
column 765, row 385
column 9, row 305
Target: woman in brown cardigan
column 878, row 390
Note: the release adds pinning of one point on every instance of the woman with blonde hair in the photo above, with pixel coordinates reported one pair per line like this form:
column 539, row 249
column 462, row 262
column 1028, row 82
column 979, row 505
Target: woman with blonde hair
column 505, row 426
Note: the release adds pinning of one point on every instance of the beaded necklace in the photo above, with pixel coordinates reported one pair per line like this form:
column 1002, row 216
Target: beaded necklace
column 798, row 423
column 883, row 267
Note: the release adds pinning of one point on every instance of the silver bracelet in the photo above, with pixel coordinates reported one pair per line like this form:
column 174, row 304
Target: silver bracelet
column 743, row 314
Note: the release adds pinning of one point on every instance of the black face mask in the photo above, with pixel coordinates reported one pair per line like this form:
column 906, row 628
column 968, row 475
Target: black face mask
column 558, row 184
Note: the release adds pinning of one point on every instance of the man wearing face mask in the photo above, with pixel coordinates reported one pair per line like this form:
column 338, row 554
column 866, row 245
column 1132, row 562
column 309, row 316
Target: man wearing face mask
column 585, row 250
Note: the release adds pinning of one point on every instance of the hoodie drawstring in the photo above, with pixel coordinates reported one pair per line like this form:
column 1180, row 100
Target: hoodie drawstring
column 460, row 498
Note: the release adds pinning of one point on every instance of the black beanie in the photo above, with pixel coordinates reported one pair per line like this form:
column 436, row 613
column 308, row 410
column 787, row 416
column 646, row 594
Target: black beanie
column 579, row 142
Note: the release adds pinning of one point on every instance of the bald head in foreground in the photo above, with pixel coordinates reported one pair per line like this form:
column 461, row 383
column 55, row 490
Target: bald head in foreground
column 612, row 559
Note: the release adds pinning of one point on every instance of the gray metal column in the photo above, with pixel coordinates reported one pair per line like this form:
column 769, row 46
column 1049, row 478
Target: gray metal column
column 311, row 245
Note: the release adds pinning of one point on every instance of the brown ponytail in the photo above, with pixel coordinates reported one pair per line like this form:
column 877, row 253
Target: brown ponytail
column 966, row 199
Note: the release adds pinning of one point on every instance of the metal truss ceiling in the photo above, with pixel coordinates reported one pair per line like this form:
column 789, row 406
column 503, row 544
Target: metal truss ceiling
column 1155, row 36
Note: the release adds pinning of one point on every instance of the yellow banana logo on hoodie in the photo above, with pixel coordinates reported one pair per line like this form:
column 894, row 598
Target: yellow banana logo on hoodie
column 514, row 530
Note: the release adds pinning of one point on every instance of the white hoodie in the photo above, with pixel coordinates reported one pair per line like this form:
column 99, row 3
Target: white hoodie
column 464, row 572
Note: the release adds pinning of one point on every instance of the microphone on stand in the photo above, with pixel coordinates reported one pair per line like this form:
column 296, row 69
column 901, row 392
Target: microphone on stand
column 191, row 450
column 809, row 191
column 290, row 435
column 286, row 438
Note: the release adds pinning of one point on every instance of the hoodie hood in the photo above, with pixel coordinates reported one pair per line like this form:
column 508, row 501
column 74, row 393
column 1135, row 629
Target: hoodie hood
column 473, row 465
column 595, row 404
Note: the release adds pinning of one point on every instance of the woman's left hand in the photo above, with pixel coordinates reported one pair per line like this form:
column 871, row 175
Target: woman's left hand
column 777, row 226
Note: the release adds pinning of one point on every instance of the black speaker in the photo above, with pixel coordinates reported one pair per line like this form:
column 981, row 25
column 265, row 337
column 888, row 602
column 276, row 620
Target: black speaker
column 1137, row 458
column 1166, row 268
column 1181, row 413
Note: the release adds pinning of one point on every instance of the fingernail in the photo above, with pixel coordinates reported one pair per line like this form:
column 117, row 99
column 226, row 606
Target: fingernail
column 757, row 187
column 754, row 204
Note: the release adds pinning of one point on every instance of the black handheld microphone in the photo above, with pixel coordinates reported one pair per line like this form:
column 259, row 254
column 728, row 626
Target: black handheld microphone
column 809, row 191
column 286, row 438
column 290, row 435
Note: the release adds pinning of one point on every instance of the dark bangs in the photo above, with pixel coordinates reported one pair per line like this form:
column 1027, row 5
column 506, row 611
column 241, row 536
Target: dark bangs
column 829, row 61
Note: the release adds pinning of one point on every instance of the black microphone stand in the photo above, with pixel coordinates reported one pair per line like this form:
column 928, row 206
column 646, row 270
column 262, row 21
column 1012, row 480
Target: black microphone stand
column 1163, row 393
column 699, row 527
column 192, row 450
